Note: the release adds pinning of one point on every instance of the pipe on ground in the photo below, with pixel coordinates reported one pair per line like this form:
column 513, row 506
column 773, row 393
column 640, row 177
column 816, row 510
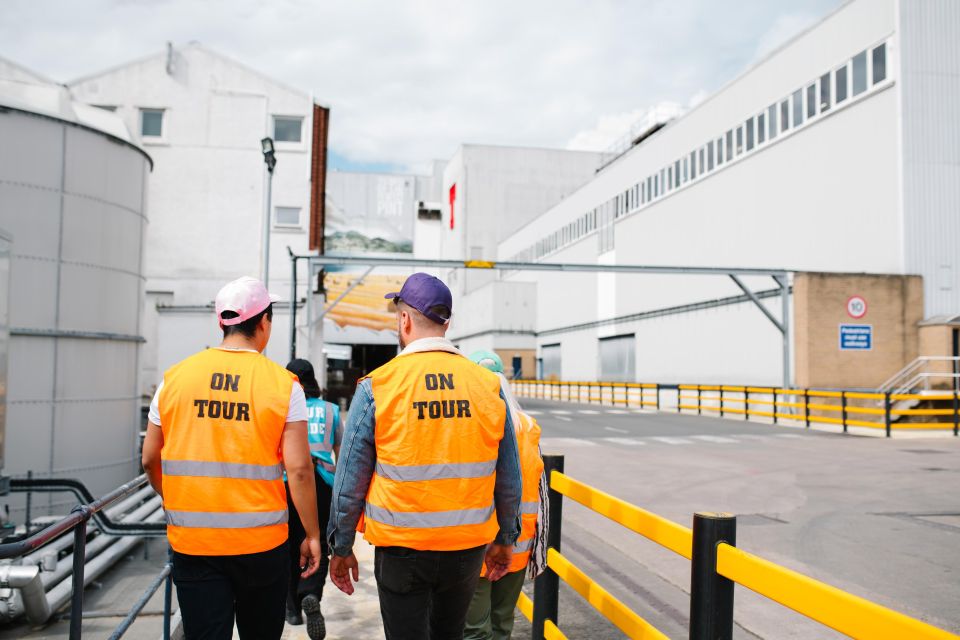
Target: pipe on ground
column 26, row 578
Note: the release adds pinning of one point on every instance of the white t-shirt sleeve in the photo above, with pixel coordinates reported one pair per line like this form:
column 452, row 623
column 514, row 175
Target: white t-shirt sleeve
column 154, row 414
column 297, row 411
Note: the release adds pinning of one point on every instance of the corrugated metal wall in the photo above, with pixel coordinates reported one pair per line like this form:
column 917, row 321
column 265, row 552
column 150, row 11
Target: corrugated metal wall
column 930, row 95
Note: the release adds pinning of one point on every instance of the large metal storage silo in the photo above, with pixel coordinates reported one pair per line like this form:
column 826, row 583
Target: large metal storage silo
column 72, row 195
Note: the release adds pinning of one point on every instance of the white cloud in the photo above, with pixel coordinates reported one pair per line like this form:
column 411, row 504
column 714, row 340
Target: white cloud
column 409, row 81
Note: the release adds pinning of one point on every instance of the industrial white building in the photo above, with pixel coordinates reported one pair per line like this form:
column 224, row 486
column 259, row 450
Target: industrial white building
column 836, row 152
column 73, row 187
column 201, row 116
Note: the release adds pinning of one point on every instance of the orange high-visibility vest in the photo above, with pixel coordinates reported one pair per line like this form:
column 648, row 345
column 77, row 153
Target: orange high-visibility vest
column 222, row 414
column 531, row 468
column 439, row 422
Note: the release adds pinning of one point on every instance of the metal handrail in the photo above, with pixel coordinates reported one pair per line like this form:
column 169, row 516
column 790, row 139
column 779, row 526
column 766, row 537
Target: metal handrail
column 76, row 521
column 164, row 578
column 896, row 381
column 77, row 488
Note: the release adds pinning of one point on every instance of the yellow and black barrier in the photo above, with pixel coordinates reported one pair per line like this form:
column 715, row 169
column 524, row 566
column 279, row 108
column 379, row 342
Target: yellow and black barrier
column 716, row 565
column 844, row 408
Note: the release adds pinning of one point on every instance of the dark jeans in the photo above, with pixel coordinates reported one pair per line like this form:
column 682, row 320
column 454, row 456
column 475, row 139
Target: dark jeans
column 300, row 587
column 213, row 590
column 425, row 594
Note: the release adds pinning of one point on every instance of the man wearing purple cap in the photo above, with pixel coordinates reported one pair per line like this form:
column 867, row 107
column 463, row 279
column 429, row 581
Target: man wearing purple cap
column 429, row 473
column 223, row 426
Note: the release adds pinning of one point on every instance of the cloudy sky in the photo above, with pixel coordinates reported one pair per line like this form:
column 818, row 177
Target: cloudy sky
column 408, row 80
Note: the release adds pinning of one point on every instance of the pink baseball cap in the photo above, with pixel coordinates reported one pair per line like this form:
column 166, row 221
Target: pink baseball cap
column 244, row 296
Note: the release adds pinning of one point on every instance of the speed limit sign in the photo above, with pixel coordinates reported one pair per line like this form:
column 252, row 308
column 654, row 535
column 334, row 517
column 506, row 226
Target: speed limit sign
column 856, row 307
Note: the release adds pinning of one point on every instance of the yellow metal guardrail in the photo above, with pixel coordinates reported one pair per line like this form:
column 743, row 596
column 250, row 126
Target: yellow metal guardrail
column 709, row 616
column 809, row 406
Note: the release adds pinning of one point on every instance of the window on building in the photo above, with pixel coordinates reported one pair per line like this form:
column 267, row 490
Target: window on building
column 729, row 145
column 739, row 140
column 550, row 361
column 710, row 156
column 151, row 123
column 669, row 178
column 859, row 73
column 663, row 183
column 693, row 165
column 649, row 188
column 879, row 56
column 702, row 167
column 797, row 108
column 784, row 115
column 719, row 151
column 676, row 173
column 618, row 358
column 811, row 101
column 287, row 128
column 761, row 129
column 772, row 120
column 840, row 84
column 287, row 216
column 824, row 92
column 749, row 126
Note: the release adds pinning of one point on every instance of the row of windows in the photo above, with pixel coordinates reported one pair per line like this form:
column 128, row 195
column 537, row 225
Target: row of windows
column 285, row 128
column 861, row 72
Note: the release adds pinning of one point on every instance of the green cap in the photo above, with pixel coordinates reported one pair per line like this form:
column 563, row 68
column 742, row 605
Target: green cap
column 488, row 360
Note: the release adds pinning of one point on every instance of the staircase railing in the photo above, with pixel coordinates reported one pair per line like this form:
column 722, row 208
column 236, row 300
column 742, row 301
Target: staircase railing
column 918, row 376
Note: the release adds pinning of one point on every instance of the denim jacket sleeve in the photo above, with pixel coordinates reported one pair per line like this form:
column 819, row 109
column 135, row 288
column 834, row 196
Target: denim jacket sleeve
column 358, row 457
column 508, row 489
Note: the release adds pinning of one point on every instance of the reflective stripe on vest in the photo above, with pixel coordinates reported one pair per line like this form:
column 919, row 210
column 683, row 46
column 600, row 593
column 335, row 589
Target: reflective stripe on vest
column 523, row 546
column 444, row 471
column 432, row 520
column 222, row 470
column 530, row 507
column 226, row 520
column 438, row 425
column 223, row 414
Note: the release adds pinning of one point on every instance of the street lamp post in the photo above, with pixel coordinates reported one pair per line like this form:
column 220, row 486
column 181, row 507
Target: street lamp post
column 270, row 160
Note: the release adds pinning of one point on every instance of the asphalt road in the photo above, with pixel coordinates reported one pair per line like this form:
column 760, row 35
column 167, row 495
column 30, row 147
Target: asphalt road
column 879, row 518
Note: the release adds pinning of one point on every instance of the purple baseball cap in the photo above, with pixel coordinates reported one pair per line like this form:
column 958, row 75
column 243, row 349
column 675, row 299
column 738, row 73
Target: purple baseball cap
column 422, row 291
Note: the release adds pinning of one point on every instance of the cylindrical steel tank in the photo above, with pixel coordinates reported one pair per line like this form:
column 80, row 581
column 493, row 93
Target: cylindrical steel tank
column 72, row 198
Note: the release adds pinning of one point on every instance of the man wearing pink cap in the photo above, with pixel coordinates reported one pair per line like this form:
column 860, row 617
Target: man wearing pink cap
column 223, row 426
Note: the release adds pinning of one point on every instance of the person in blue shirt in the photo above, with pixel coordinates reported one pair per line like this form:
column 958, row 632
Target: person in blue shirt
column 325, row 433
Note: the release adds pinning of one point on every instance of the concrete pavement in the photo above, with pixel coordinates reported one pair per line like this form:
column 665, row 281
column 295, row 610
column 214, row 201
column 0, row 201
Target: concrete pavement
column 876, row 517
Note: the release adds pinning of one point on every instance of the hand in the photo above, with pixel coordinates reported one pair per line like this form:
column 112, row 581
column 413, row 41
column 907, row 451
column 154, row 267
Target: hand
column 498, row 561
column 310, row 556
column 342, row 569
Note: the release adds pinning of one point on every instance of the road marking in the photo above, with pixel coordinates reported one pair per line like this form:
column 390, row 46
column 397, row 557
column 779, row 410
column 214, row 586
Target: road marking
column 589, row 412
column 615, row 430
column 560, row 412
column 564, row 418
column 666, row 440
column 751, row 436
column 630, row 442
column 788, row 435
column 718, row 439
column 567, row 442
column 617, row 411
column 532, row 413
column 645, row 411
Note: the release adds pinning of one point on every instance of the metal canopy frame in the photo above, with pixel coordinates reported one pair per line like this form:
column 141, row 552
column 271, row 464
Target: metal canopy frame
column 780, row 276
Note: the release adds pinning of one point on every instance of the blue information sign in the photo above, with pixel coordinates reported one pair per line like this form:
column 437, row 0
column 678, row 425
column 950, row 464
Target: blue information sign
column 856, row 337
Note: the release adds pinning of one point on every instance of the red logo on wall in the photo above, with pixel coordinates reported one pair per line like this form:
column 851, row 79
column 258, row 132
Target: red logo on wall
column 453, row 197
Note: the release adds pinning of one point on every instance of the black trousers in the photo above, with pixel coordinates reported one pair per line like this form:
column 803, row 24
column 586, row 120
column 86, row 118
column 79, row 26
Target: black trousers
column 215, row 590
column 300, row 587
column 426, row 594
